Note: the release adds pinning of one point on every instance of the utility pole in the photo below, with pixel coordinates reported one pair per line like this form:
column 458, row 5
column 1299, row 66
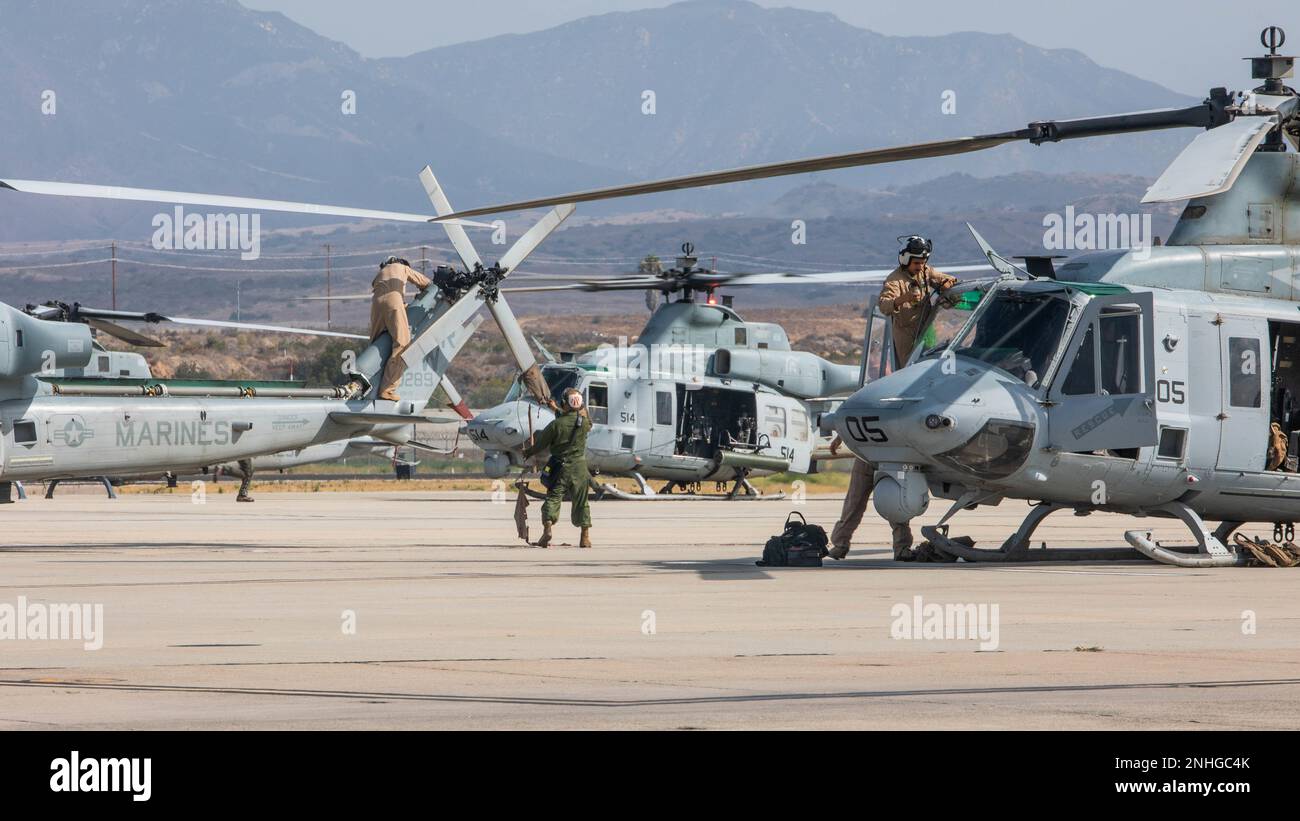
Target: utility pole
column 328, row 302
column 115, row 275
column 239, row 316
column 422, row 261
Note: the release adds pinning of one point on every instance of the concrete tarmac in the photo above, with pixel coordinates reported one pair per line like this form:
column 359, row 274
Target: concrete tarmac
column 420, row 610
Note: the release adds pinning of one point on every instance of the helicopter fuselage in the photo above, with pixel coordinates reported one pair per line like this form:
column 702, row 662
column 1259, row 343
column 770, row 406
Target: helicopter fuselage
column 1103, row 397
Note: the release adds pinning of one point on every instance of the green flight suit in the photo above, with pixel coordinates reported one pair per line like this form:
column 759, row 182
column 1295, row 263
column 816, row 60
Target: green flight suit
column 566, row 439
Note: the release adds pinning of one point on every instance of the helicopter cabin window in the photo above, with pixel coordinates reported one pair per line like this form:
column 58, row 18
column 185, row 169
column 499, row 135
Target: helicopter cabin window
column 1243, row 376
column 25, row 432
column 741, row 337
column 774, row 421
column 799, row 425
column 598, row 403
column 663, row 408
column 103, row 364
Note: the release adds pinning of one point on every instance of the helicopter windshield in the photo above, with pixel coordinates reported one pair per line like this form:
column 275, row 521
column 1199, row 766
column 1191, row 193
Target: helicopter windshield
column 1016, row 331
column 558, row 379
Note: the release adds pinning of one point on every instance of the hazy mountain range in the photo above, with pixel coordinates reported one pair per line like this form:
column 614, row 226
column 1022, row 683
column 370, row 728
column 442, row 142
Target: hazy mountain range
column 206, row 95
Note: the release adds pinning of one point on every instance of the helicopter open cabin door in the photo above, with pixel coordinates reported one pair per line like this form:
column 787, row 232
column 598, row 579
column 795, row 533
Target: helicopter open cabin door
column 1244, row 415
column 1102, row 397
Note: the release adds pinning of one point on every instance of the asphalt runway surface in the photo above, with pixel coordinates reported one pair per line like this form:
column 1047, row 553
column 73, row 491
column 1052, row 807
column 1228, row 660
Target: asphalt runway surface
column 408, row 610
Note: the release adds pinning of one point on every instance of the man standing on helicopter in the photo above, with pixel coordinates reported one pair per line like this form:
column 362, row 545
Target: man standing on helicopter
column 388, row 313
column 903, row 298
column 906, row 291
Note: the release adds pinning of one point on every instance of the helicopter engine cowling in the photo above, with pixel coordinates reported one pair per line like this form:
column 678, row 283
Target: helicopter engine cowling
column 797, row 373
column 30, row 346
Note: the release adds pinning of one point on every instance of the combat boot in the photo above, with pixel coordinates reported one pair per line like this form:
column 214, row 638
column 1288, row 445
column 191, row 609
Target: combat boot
column 902, row 542
column 585, row 541
column 838, row 551
column 545, row 541
column 390, row 396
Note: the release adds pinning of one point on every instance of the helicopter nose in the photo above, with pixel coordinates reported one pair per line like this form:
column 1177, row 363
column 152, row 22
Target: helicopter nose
column 506, row 427
column 933, row 411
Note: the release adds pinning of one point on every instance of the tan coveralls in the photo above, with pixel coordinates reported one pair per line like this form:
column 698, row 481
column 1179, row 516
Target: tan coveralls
column 388, row 313
column 903, row 297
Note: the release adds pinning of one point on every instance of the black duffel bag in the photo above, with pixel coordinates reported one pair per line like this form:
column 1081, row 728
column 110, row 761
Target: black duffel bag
column 799, row 545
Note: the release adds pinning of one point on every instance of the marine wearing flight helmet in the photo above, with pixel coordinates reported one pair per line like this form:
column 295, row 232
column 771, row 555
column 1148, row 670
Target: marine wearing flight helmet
column 566, row 439
column 903, row 298
column 906, row 291
column 388, row 313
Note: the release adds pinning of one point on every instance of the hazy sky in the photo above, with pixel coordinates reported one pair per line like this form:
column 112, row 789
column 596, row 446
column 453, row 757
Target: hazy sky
column 1174, row 43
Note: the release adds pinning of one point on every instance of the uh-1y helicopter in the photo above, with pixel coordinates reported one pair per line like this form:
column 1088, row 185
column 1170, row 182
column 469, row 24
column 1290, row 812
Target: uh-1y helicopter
column 702, row 396
column 1143, row 381
column 53, row 428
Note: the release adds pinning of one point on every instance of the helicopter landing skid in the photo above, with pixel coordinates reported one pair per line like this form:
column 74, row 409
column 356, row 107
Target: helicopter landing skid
column 741, row 490
column 1210, row 548
column 1016, row 548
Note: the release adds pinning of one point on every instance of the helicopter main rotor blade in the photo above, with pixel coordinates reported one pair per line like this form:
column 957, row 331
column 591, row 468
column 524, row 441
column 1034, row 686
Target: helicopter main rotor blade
column 1208, row 114
column 732, row 280
column 518, row 344
column 497, row 305
column 455, row 233
column 216, row 323
column 533, row 237
column 939, row 148
column 127, row 335
column 1211, row 162
column 114, row 192
column 80, row 312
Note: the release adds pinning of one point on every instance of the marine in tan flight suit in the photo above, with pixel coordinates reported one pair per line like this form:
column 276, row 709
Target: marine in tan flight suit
column 903, row 298
column 388, row 313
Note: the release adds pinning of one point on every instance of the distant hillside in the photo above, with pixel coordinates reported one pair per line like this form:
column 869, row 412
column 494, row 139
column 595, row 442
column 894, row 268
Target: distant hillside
column 208, row 95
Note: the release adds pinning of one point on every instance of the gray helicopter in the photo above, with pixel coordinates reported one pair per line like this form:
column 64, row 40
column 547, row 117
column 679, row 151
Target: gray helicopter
column 702, row 396
column 1142, row 382
column 64, row 427
column 121, row 370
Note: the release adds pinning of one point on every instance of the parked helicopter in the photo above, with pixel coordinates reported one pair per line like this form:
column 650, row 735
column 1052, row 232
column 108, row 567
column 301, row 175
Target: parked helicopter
column 702, row 396
column 53, row 430
column 1137, row 382
column 118, row 370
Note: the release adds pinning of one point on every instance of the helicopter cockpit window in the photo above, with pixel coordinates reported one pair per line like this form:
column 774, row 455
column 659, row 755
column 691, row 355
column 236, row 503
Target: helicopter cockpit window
column 1082, row 376
column 1109, row 360
column 1016, row 331
column 557, row 379
column 598, row 403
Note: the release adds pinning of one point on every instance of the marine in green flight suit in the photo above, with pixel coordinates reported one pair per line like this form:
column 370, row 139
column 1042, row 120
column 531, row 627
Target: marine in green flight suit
column 566, row 439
